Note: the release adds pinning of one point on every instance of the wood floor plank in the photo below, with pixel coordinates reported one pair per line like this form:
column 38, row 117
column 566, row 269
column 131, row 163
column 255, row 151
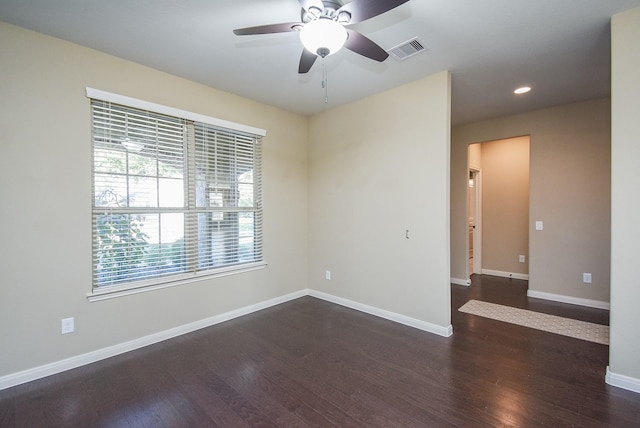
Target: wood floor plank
column 311, row 363
column 7, row 409
column 28, row 403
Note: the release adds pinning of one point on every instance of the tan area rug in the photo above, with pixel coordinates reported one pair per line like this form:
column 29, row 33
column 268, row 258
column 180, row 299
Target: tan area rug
column 551, row 323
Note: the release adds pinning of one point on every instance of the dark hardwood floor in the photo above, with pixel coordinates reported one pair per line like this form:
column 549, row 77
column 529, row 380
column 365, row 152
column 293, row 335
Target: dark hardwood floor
column 313, row 363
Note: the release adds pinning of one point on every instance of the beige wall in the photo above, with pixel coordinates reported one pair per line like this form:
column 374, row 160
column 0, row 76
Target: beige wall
column 378, row 167
column 569, row 191
column 625, row 233
column 45, row 158
column 505, row 205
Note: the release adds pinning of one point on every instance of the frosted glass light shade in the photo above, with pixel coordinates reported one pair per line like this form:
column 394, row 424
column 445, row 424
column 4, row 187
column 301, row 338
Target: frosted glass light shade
column 323, row 34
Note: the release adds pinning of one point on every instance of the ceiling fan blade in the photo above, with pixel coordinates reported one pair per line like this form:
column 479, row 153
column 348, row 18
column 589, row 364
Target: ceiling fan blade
column 365, row 9
column 358, row 43
column 306, row 4
column 306, row 61
column 267, row 29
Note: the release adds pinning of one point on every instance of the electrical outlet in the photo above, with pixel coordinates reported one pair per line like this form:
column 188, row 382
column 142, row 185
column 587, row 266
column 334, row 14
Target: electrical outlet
column 521, row 258
column 67, row 325
column 539, row 225
column 327, row 275
column 586, row 278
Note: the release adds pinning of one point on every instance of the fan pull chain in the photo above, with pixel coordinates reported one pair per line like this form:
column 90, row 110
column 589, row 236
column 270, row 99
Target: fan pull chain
column 324, row 80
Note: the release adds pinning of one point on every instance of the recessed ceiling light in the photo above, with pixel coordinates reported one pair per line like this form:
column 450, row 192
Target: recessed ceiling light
column 522, row 90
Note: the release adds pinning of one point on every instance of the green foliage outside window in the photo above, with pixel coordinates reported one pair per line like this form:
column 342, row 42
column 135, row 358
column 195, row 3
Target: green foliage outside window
column 121, row 242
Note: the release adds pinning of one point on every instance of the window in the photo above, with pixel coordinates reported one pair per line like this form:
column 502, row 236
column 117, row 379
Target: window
column 173, row 198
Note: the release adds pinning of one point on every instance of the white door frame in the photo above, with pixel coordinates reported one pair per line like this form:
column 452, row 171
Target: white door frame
column 477, row 221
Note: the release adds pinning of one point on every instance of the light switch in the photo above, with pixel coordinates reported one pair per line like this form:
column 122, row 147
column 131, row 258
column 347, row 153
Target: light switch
column 539, row 225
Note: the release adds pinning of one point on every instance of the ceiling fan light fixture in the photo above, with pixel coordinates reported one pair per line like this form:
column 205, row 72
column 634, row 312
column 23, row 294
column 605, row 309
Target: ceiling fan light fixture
column 323, row 36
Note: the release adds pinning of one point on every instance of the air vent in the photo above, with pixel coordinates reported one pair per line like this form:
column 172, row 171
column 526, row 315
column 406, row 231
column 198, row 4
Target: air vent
column 407, row 49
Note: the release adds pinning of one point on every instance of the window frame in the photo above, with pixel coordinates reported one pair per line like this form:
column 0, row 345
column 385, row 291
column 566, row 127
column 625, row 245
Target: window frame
column 143, row 285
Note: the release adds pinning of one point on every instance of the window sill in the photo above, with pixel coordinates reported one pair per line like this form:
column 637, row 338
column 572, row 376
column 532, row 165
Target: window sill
column 126, row 290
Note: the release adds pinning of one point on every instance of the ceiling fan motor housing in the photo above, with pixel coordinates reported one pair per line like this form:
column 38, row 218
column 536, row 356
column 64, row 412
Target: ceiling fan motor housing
column 330, row 11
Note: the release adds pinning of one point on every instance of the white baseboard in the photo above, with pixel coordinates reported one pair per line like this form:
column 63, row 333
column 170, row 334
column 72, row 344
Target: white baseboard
column 18, row 378
column 505, row 274
column 392, row 316
column 569, row 299
column 111, row 351
column 459, row 281
column 622, row 381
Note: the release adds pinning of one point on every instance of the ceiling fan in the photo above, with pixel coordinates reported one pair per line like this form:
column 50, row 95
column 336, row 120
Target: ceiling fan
column 323, row 28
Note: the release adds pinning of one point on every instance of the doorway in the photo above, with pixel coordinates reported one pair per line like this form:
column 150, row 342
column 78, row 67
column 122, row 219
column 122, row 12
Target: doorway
column 498, row 208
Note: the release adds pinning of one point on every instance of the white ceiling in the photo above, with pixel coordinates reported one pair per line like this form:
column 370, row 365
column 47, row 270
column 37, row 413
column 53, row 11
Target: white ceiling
column 559, row 47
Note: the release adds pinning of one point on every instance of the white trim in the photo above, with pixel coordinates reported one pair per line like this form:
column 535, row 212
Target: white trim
column 477, row 221
column 460, row 281
column 111, row 351
column 170, row 111
column 112, row 292
column 569, row 299
column 392, row 316
column 622, row 381
column 505, row 274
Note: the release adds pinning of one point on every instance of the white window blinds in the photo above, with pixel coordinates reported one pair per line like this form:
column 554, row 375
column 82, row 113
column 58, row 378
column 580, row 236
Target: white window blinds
column 173, row 198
